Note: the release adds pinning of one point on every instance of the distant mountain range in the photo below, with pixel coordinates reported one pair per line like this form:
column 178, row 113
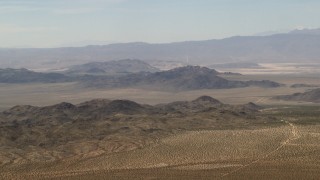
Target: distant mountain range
column 183, row 78
column 296, row 46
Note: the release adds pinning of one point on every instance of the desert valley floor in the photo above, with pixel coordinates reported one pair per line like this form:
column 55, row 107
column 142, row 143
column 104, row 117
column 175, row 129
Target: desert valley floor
column 220, row 141
column 287, row 152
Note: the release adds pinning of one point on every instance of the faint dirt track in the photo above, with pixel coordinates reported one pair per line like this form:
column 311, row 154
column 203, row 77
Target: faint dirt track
column 227, row 154
column 294, row 135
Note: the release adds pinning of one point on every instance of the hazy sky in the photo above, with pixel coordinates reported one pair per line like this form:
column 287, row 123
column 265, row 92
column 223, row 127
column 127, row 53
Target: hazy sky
column 49, row 23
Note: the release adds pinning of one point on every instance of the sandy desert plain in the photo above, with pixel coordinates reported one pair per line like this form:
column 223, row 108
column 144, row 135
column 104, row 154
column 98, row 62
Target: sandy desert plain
column 289, row 149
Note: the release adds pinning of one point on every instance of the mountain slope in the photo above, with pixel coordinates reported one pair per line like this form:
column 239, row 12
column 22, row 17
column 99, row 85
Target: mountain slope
column 113, row 67
column 29, row 134
column 309, row 96
column 27, row 76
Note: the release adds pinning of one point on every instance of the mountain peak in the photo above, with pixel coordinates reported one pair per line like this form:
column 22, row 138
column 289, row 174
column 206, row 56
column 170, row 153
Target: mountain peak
column 194, row 69
column 124, row 106
column 114, row 67
column 63, row 106
column 207, row 99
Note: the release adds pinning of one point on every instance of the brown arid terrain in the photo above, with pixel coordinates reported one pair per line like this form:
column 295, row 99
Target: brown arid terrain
column 168, row 90
column 199, row 139
column 50, row 133
column 160, row 134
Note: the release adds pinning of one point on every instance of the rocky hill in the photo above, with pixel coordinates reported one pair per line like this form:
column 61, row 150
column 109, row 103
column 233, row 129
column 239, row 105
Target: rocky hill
column 124, row 66
column 182, row 78
column 309, row 96
column 264, row 84
column 29, row 133
column 26, row 76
